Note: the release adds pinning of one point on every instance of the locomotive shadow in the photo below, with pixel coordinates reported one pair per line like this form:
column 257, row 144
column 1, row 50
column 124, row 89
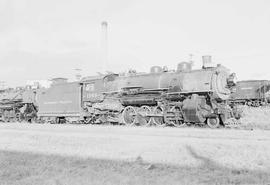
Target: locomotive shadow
column 210, row 172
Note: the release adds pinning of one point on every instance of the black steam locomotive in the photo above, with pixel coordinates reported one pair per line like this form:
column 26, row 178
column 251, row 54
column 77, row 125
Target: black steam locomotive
column 18, row 104
column 161, row 97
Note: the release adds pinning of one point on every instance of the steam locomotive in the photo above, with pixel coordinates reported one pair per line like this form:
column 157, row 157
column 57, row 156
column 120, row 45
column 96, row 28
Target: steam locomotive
column 18, row 104
column 160, row 97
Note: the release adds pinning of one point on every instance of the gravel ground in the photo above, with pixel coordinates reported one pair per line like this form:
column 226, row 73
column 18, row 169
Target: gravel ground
column 239, row 149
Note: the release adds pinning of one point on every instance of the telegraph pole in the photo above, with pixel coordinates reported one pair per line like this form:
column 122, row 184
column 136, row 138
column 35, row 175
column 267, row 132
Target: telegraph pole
column 78, row 74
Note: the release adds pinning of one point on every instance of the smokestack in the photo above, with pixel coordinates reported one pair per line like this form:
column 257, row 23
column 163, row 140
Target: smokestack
column 104, row 45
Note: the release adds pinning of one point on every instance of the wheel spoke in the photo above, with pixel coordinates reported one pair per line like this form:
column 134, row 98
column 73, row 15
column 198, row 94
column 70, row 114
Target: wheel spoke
column 159, row 121
column 129, row 115
column 177, row 120
column 143, row 119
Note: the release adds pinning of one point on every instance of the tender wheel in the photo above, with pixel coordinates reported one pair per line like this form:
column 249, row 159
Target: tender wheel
column 129, row 115
column 177, row 120
column 213, row 122
column 143, row 119
column 159, row 121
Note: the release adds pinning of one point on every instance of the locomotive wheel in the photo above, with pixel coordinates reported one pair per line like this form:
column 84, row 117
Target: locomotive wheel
column 213, row 122
column 177, row 121
column 129, row 115
column 142, row 118
column 158, row 121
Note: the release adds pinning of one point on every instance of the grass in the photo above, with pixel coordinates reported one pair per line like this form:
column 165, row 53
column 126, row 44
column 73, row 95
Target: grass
column 36, row 169
column 255, row 117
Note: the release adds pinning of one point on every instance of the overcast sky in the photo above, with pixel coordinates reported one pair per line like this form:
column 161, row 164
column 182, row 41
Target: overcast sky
column 41, row 39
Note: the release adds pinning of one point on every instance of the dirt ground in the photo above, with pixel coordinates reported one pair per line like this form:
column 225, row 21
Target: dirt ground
column 29, row 153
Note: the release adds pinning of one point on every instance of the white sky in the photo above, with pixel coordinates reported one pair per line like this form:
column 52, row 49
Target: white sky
column 43, row 39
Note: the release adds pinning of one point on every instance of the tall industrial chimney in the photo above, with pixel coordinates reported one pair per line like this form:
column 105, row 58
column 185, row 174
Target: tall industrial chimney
column 104, row 45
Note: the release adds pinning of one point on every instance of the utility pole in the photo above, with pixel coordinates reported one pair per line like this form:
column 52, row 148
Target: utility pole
column 78, row 74
column 190, row 59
